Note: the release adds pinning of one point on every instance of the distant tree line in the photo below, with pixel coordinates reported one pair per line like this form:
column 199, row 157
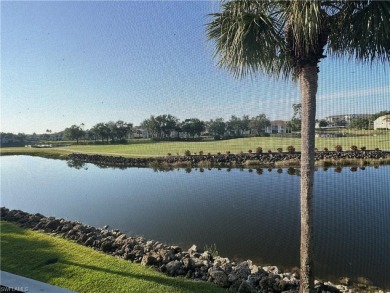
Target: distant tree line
column 364, row 122
column 367, row 121
column 8, row 138
column 163, row 126
column 167, row 126
column 170, row 127
column 115, row 131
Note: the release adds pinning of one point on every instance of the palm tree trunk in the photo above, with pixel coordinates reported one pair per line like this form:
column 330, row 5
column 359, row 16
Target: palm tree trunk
column 308, row 80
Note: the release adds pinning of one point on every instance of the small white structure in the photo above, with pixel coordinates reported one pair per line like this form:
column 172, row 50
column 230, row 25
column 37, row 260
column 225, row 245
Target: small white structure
column 382, row 122
column 278, row 126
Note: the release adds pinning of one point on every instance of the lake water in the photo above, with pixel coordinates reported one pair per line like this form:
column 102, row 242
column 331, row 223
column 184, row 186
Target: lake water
column 247, row 215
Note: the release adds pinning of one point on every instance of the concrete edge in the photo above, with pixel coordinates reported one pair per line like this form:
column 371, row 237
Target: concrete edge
column 23, row 284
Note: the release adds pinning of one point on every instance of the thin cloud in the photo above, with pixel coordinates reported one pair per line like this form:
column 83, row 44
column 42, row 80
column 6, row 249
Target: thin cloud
column 356, row 93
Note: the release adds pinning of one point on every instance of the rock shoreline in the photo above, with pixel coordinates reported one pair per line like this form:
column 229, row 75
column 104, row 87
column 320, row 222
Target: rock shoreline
column 174, row 261
column 227, row 160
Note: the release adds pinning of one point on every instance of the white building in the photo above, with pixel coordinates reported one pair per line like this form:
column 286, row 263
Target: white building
column 344, row 119
column 382, row 122
column 278, row 126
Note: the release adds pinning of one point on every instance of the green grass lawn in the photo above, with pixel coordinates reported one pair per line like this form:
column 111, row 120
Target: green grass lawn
column 149, row 149
column 69, row 265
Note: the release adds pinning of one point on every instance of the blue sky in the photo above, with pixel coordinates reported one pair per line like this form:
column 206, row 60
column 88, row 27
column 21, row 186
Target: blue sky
column 65, row 63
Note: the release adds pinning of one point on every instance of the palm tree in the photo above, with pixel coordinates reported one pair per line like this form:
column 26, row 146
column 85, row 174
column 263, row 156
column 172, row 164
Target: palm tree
column 288, row 39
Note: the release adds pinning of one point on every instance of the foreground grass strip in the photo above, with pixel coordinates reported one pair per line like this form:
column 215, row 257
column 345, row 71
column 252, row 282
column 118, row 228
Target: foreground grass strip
column 66, row 264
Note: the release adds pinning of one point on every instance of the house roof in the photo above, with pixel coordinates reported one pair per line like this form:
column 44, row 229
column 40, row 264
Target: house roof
column 278, row 122
column 381, row 118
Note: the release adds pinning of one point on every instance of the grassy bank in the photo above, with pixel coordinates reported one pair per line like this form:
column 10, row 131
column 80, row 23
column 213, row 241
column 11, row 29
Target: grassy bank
column 52, row 153
column 66, row 264
column 152, row 149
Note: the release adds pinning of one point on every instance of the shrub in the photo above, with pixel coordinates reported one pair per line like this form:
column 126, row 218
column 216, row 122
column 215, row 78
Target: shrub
column 264, row 134
column 201, row 153
column 269, row 151
column 228, row 152
column 187, row 153
column 209, row 154
column 354, row 148
column 219, row 153
column 377, row 149
column 259, row 150
column 290, row 149
column 338, row 148
column 169, row 154
column 326, row 149
column 363, row 148
column 250, row 151
column 280, row 150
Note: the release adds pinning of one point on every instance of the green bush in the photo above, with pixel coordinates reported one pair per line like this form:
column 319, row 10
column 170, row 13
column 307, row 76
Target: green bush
column 354, row 148
column 290, row 149
column 250, row 151
column 280, row 150
column 363, row 148
column 338, row 148
column 228, row 152
column 201, row 153
column 264, row 134
column 259, row 150
column 187, row 153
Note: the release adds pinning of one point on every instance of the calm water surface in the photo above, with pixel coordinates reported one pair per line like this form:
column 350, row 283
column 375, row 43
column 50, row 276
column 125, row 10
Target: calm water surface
column 248, row 215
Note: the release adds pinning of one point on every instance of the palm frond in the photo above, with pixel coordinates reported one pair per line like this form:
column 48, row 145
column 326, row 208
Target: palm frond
column 362, row 31
column 249, row 38
column 306, row 21
column 307, row 25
